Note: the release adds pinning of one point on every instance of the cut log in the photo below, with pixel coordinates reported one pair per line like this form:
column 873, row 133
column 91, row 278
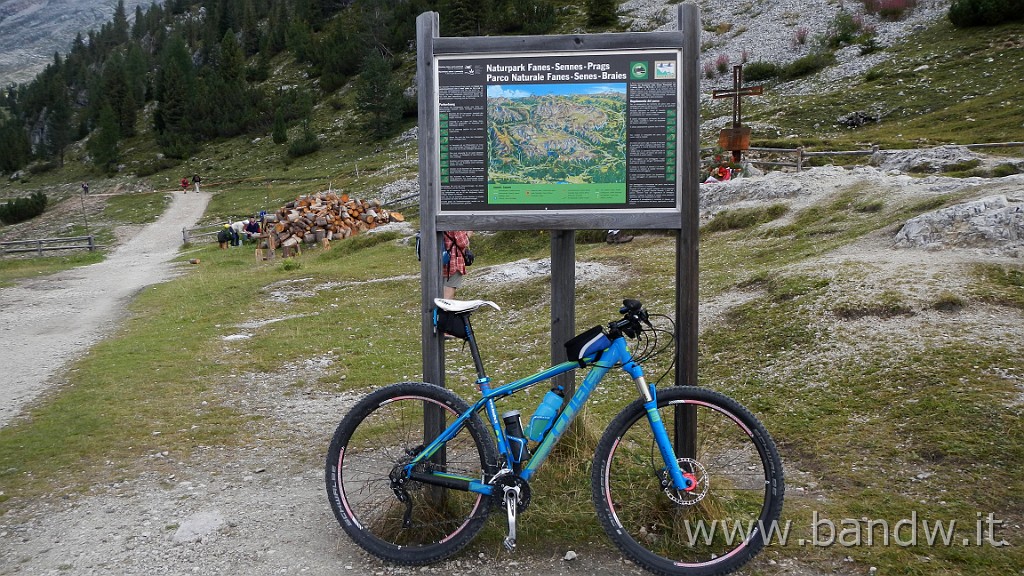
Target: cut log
column 324, row 216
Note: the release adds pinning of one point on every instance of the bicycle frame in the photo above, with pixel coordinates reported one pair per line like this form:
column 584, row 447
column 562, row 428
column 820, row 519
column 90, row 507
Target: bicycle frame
column 617, row 354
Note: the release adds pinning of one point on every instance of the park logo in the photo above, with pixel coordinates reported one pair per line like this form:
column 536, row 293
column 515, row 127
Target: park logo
column 638, row 70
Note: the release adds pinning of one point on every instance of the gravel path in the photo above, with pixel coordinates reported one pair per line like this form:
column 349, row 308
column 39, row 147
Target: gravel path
column 48, row 322
column 260, row 508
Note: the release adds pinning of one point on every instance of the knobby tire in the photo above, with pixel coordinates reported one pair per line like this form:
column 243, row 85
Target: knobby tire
column 384, row 430
column 713, row 529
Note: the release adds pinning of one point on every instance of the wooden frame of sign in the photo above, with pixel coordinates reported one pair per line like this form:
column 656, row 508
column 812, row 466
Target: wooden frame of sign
column 467, row 183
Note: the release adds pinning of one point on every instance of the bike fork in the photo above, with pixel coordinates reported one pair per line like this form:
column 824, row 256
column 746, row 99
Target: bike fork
column 661, row 438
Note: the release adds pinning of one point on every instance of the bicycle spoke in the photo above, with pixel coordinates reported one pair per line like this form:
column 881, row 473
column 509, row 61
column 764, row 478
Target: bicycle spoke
column 718, row 523
column 411, row 522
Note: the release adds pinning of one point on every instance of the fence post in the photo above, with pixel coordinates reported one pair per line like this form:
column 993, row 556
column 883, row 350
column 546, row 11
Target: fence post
column 39, row 247
column 92, row 244
column 184, row 235
column 800, row 159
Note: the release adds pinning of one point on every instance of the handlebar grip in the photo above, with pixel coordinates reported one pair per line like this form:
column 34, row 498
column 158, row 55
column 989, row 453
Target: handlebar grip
column 630, row 305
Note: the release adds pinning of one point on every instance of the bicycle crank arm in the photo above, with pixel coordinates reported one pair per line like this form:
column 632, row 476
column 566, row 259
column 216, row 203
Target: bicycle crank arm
column 511, row 502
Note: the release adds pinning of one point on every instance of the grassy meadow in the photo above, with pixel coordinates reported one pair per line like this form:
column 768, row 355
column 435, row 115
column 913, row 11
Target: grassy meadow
column 875, row 421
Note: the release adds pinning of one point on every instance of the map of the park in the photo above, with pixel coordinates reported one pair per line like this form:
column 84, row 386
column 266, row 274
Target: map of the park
column 557, row 134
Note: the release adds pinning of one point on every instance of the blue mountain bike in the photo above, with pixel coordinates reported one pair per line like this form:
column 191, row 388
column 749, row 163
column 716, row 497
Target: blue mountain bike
column 685, row 480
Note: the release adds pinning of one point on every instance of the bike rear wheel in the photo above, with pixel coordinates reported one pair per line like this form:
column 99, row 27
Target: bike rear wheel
column 726, row 518
column 381, row 433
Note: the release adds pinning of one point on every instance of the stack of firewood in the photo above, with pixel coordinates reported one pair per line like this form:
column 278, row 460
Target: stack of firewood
column 324, row 216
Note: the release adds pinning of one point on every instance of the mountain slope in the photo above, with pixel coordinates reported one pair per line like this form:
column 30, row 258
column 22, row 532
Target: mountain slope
column 31, row 31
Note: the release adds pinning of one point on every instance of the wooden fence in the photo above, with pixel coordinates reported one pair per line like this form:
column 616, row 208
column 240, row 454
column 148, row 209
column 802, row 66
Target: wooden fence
column 42, row 245
column 802, row 155
column 204, row 233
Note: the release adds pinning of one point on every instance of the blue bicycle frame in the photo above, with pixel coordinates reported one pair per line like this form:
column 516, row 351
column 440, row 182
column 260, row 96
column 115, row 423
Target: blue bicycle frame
column 617, row 354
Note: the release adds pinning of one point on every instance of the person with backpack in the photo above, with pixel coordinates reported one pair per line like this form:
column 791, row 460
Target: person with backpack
column 224, row 236
column 456, row 244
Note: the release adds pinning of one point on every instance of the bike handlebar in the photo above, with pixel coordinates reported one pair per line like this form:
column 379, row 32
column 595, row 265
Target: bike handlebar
column 634, row 317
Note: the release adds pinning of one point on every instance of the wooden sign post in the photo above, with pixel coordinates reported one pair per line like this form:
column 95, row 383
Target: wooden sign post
column 469, row 86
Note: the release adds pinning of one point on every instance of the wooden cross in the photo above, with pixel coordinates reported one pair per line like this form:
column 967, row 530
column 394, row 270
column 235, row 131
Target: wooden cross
column 737, row 138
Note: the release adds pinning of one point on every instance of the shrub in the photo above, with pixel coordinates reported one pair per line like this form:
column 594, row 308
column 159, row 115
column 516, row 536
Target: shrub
column 800, row 36
column 843, row 30
column 807, row 65
column 968, row 13
column 760, row 70
column 155, row 166
column 891, row 10
column 42, row 167
column 742, row 218
column 722, row 63
column 22, row 209
column 868, row 46
column 949, row 302
column 1005, row 170
column 961, row 166
column 303, row 146
column 307, row 144
column 875, row 73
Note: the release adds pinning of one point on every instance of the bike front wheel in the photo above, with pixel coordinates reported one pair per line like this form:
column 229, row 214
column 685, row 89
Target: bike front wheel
column 735, row 501
column 416, row 523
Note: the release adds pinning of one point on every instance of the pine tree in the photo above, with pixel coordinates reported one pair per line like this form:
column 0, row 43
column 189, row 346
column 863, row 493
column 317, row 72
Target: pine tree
column 119, row 28
column 251, row 36
column 601, row 12
column 119, row 95
column 103, row 143
column 136, row 67
column 339, row 48
column 230, row 94
column 176, row 100
column 58, row 119
column 522, row 17
column 300, row 40
column 15, row 148
column 139, row 26
column 378, row 95
column 277, row 27
column 463, row 17
column 280, row 133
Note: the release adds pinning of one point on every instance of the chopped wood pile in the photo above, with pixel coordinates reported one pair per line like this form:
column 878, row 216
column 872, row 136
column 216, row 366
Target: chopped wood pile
column 324, row 216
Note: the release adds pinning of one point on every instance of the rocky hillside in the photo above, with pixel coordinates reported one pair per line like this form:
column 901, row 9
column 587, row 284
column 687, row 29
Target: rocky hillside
column 779, row 31
column 31, row 31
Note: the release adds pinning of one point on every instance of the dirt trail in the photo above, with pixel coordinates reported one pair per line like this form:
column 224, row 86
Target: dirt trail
column 260, row 508
column 47, row 322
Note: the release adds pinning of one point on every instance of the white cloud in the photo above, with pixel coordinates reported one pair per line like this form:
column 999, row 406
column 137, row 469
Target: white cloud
column 496, row 91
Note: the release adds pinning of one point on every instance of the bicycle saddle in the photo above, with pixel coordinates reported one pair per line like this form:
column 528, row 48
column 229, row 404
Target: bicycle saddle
column 461, row 306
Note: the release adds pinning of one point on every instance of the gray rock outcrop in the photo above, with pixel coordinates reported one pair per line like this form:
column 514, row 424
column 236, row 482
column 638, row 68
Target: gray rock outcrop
column 990, row 222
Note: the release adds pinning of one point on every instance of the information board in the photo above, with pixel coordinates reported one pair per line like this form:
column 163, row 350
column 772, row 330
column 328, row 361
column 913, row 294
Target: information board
column 576, row 131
